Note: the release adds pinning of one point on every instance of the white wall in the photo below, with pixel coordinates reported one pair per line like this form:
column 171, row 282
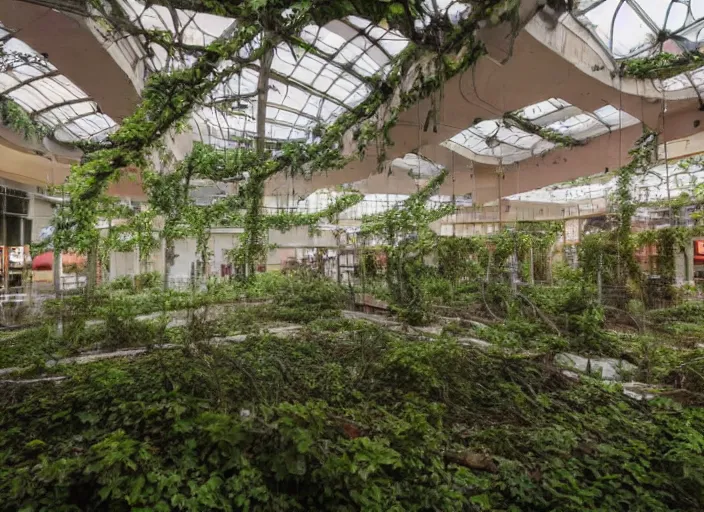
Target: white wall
column 40, row 212
column 123, row 264
column 220, row 245
column 185, row 251
column 300, row 237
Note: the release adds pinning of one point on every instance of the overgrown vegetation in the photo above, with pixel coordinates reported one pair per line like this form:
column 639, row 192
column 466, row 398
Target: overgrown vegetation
column 662, row 65
column 273, row 392
column 343, row 415
column 16, row 118
column 222, row 413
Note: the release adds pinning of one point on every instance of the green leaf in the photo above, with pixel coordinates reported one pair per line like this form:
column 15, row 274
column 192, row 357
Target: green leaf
column 482, row 500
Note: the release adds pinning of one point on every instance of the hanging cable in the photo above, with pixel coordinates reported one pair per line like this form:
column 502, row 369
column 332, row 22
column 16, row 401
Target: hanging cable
column 667, row 165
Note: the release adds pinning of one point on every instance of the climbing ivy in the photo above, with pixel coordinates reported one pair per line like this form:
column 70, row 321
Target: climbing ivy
column 18, row 120
column 642, row 158
column 407, row 238
column 662, row 65
column 547, row 133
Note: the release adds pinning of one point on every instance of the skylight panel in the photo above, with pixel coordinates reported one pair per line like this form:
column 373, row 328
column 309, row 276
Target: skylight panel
column 549, row 111
column 695, row 33
column 30, row 98
column 391, row 41
column 676, row 19
column 325, row 40
column 581, row 127
column 24, row 56
column 198, row 29
column 291, row 118
column 681, row 82
column 36, row 86
column 318, row 84
column 417, row 166
column 20, row 74
column 614, row 118
column 454, row 10
column 324, row 76
column 501, row 141
column 585, row 126
column 60, row 115
column 49, row 91
column 650, row 186
column 543, row 108
column 92, row 127
column 630, row 33
column 657, row 10
column 230, row 126
column 330, row 110
column 346, row 47
column 629, row 28
column 497, row 141
column 698, row 79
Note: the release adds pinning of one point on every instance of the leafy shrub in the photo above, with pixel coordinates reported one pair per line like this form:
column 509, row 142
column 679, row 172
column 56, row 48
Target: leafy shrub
column 686, row 312
column 303, row 297
column 148, row 280
column 121, row 283
column 20, row 348
column 351, row 418
column 266, row 284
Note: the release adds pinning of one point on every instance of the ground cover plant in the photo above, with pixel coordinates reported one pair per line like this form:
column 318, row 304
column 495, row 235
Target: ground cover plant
column 343, row 415
column 273, row 392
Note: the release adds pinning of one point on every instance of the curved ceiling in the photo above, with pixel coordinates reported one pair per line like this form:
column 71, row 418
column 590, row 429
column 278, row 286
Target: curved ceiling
column 30, row 80
column 646, row 28
column 324, row 74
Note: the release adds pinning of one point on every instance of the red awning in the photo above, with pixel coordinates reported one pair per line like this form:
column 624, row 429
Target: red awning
column 45, row 261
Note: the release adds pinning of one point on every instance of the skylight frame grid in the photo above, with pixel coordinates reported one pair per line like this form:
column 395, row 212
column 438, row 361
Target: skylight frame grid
column 346, row 54
column 606, row 38
column 497, row 142
column 692, row 22
column 38, row 88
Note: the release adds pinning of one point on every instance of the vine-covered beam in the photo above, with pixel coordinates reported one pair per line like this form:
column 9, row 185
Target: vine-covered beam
column 517, row 120
column 662, row 66
column 418, row 72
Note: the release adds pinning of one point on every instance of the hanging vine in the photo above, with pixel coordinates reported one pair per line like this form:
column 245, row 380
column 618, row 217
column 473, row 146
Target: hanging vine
column 418, row 72
column 515, row 119
column 18, row 120
column 662, row 65
column 642, row 158
column 407, row 238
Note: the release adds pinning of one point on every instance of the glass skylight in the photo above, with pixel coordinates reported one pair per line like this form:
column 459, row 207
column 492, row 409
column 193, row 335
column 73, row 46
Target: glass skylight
column 307, row 87
column 417, row 166
column 49, row 97
column 629, row 28
column 500, row 142
column 641, row 28
column 497, row 142
column 647, row 187
column 372, row 204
